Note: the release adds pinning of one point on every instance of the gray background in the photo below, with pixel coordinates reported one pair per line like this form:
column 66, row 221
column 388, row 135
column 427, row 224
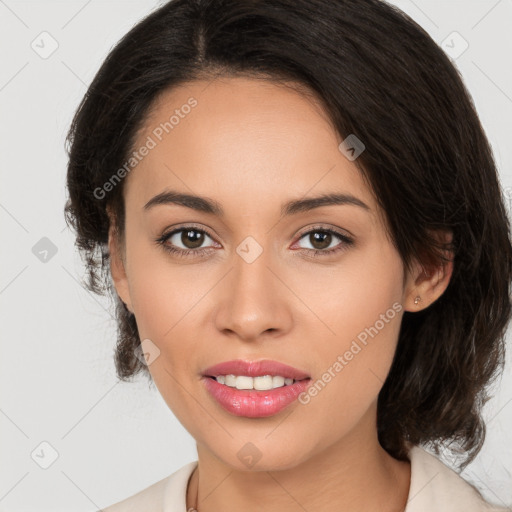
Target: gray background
column 111, row 439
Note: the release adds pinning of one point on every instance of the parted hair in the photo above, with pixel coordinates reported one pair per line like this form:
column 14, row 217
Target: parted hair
column 380, row 76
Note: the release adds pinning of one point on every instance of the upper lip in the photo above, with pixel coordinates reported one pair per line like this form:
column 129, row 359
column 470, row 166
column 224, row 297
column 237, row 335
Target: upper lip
column 255, row 369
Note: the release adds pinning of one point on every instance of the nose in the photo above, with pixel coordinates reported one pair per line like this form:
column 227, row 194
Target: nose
column 253, row 301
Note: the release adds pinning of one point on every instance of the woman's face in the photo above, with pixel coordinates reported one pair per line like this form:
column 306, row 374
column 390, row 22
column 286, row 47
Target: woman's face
column 252, row 287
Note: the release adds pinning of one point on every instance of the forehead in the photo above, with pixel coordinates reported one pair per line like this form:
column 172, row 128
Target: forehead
column 251, row 137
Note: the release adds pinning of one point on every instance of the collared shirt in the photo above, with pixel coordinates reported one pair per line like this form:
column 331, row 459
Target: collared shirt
column 434, row 487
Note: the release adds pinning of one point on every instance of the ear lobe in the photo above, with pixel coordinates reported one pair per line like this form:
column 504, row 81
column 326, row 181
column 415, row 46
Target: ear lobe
column 430, row 281
column 117, row 264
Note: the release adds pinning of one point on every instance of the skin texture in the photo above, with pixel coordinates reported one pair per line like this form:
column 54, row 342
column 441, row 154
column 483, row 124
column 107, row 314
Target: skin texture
column 251, row 146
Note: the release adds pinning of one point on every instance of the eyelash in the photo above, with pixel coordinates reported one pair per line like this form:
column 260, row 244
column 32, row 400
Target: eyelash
column 346, row 242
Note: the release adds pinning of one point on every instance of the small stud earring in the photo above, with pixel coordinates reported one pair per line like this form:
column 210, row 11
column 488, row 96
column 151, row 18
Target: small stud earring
column 417, row 299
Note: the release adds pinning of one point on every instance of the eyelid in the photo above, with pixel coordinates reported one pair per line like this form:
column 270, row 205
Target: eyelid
column 332, row 229
column 189, row 225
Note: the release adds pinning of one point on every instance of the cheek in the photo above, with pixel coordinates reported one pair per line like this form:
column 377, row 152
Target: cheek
column 163, row 297
column 163, row 291
column 356, row 293
column 169, row 299
column 363, row 316
column 349, row 379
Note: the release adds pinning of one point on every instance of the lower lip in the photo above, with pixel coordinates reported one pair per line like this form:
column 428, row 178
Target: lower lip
column 252, row 403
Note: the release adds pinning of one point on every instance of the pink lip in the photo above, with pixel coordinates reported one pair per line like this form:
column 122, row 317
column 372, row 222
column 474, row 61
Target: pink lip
column 252, row 403
column 255, row 369
column 249, row 402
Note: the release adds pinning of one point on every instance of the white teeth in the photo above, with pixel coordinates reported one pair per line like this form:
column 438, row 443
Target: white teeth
column 277, row 381
column 230, row 380
column 262, row 383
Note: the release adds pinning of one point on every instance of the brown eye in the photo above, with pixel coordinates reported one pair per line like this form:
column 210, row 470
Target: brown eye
column 192, row 238
column 185, row 241
column 323, row 241
column 320, row 239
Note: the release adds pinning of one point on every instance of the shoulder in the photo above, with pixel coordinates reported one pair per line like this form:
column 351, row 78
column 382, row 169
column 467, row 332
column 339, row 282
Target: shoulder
column 435, row 486
column 166, row 494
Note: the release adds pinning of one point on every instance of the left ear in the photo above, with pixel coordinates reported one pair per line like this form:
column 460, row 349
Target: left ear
column 428, row 282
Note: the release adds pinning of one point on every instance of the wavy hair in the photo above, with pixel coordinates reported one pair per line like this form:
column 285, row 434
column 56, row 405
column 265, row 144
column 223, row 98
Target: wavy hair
column 379, row 75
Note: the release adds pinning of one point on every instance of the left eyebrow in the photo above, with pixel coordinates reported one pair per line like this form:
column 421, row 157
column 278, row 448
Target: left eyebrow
column 207, row 205
column 304, row 205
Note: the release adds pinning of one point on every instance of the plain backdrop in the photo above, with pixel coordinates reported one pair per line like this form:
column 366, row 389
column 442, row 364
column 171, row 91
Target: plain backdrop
column 61, row 404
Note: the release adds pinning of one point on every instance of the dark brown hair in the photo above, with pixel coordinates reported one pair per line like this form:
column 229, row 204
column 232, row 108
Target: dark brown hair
column 380, row 76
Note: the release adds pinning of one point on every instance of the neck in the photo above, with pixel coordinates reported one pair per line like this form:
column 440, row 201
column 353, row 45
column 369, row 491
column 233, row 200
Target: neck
column 354, row 474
